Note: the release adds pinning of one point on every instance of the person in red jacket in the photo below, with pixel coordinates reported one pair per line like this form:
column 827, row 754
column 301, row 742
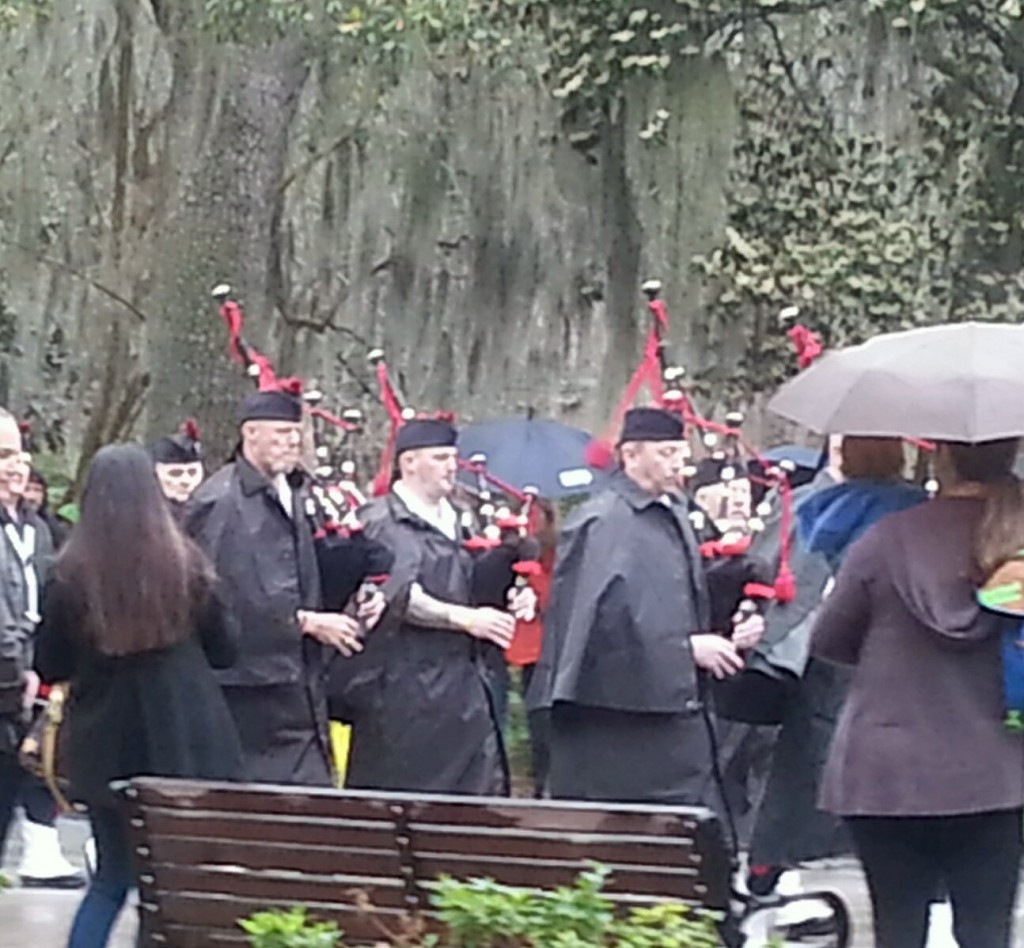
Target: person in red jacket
column 524, row 651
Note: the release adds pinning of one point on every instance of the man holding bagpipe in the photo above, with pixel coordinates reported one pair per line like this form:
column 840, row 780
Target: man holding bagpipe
column 426, row 721
column 250, row 519
column 627, row 628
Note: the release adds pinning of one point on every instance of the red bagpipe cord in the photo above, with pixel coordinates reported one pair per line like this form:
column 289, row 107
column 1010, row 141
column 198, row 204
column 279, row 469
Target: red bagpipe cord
column 806, row 344
column 243, row 353
column 496, row 482
column 389, row 399
column 601, row 450
column 267, row 379
column 332, row 420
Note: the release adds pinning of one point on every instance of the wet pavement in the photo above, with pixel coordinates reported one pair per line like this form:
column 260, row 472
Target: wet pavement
column 40, row 918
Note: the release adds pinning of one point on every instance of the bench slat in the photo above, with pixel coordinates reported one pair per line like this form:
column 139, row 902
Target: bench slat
column 188, row 936
column 677, row 881
column 259, row 827
column 270, row 885
column 596, row 847
column 565, row 817
column 211, row 851
column 684, row 885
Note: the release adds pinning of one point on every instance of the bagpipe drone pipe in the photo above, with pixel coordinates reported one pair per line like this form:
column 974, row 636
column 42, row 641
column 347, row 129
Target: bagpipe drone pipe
column 349, row 563
column 738, row 579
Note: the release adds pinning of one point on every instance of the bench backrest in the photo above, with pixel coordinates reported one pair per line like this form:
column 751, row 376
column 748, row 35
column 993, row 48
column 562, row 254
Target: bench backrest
column 211, row 853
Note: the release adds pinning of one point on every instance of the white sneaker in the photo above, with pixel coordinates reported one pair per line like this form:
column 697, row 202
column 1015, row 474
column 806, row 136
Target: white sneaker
column 940, row 926
column 42, row 863
column 796, row 913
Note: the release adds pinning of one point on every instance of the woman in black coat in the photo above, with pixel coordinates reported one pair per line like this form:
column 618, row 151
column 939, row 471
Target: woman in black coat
column 131, row 618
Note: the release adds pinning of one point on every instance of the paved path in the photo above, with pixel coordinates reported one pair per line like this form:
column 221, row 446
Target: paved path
column 37, row 918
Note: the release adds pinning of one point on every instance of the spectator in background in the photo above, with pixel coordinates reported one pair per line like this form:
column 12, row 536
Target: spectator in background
column 36, row 498
column 525, row 649
column 28, row 545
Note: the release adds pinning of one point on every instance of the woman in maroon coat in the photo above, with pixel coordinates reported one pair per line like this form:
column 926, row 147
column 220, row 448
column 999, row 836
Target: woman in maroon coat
column 922, row 768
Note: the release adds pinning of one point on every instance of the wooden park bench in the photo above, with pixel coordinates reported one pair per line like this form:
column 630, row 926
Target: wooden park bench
column 212, row 853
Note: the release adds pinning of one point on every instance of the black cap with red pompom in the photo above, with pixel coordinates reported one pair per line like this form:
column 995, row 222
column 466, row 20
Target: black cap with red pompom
column 185, row 447
column 281, row 403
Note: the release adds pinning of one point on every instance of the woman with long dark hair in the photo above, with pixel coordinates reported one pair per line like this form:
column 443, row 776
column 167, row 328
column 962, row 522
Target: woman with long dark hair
column 131, row 618
column 922, row 768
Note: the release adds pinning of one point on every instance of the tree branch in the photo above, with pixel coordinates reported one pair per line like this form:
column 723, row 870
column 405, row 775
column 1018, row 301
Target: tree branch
column 79, row 274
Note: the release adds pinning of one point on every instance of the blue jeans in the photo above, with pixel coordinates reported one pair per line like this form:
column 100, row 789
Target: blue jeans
column 109, row 887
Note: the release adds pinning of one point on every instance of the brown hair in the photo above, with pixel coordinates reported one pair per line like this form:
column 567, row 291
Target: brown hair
column 139, row 579
column 880, row 459
column 1001, row 532
column 547, row 527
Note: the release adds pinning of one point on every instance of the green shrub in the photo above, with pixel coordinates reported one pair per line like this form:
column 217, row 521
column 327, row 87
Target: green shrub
column 290, row 929
column 483, row 914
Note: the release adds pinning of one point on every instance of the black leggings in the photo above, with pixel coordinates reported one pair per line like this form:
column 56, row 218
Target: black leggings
column 976, row 858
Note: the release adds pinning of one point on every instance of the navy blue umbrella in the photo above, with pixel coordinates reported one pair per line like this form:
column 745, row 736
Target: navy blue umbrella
column 801, row 456
column 533, row 452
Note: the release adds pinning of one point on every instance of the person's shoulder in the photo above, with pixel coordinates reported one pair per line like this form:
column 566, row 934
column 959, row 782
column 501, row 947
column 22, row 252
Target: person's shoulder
column 596, row 508
column 214, row 488
column 375, row 512
column 885, row 538
column 915, row 516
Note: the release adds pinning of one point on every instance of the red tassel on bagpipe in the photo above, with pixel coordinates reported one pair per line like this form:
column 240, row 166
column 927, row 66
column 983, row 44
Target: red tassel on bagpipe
column 393, row 407
column 806, row 344
column 231, row 313
column 601, row 450
column 332, row 420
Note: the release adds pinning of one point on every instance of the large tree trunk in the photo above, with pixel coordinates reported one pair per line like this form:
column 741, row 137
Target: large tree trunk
column 225, row 173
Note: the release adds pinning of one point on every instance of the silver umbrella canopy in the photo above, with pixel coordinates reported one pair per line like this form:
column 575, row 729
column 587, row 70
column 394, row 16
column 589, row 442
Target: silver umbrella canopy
column 959, row 382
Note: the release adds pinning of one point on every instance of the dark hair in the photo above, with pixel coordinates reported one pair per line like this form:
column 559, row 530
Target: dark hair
column 880, row 459
column 1001, row 532
column 138, row 577
column 547, row 526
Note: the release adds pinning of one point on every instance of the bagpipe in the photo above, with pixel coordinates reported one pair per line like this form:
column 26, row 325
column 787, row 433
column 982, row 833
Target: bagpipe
column 738, row 580
column 349, row 562
column 723, row 444
column 499, row 524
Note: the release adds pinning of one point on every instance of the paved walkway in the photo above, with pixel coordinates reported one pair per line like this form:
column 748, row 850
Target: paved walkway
column 38, row 918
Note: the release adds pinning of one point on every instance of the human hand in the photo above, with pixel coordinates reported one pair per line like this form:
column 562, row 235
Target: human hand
column 522, row 603
column 371, row 608
column 747, row 629
column 716, row 655
column 31, row 691
column 333, row 629
column 492, row 625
